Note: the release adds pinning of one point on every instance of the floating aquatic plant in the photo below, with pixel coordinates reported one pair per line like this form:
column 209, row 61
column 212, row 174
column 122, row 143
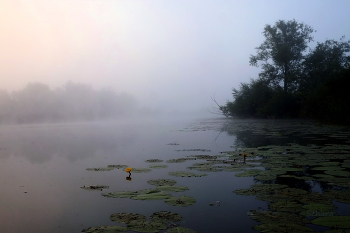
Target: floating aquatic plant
column 126, row 217
column 99, row 168
column 95, row 187
column 180, row 201
column 117, row 166
column 162, row 182
column 333, row 221
column 165, row 216
column 181, row 230
column 146, row 226
column 180, row 160
column 185, row 174
column 152, row 195
column 157, row 166
column 106, row 229
column 172, row 188
column 121, row 194
column 282, row 227
column 141, row 170
column 128, row 169
column 154, row 161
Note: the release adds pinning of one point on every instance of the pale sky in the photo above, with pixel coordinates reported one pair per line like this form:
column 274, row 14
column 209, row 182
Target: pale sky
column 175, row 54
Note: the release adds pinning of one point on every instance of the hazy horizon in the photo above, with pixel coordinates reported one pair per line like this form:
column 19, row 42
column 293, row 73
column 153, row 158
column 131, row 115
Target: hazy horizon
column 169, row 55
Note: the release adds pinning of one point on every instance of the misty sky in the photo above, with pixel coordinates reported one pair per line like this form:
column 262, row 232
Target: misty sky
column 175, row 54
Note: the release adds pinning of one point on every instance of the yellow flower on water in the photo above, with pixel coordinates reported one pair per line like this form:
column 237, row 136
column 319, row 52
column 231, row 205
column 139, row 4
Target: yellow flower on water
column 244, row 154
column 128, row 169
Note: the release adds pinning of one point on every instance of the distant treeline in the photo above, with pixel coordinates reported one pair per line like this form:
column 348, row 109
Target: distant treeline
column 295, row 82
column 72, row 102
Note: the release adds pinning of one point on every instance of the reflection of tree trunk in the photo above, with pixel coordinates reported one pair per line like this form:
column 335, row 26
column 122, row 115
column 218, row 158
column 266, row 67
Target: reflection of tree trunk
column 285, row 78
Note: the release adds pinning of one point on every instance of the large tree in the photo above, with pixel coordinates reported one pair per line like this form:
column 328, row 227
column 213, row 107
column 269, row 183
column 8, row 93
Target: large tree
column 281, row 54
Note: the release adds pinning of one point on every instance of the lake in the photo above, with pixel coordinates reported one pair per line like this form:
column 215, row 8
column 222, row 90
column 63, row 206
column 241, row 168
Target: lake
column 45, row 167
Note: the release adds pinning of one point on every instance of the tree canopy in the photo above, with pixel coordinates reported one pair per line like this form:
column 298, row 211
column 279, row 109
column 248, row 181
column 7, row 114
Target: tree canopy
column 295, row 81
column 281, row 53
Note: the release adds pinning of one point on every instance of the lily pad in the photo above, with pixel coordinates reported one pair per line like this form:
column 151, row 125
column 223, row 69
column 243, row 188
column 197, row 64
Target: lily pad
column 333, row 221
column 337, row 195
column 338, row 173
column 180, row 201
column 268, row 217
column 204, row 156
column 249, row 172
column 99, row 168
column 106, row 229
column 152, row 195
column 158, row 166
column 141, row 170
column 162, row 182
column 146, row 226
column 165, row 216
column 259, row 189
column 180, row 160
column 126, row 217
column 181, row 230
column 117, row 166
column 282, row 227
column 172, row 188
column 95, row 187
column 154, row 161
column 287, row 206
column 121, row 194
column 185, row 174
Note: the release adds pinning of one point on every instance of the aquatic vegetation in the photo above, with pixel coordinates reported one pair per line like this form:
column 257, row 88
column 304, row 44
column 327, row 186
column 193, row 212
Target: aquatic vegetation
column 249, row 172
column 106, row 229
column 180, row 201
column 269, row 217
column 121, row 194
column 172, row 188
column 316, row 209
column 179, row 160
column 341, row 196
column 201, row 150
column 126, row 217
column 286, row 206
column 151, row 195
column 282, row 227
column 128, row 169
column 158, row 166
column 185, row 174
column 95, row 187
column 205, row 168
column 100, row 168
column 141, row 170
column 181, row 230
column 154, row 161
column 146, row 226
column 203, row 156
column 117, row 166
column 333, row 221
column 165, row 216
column 162, row 182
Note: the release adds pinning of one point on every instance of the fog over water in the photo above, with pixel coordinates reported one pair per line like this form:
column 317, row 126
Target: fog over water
column 169, row 56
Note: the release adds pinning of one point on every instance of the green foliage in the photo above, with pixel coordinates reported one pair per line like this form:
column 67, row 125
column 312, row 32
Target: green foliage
column 282, row 52
column 294, row 83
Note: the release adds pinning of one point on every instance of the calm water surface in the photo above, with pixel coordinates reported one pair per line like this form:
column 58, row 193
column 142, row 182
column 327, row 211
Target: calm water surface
column 42, row 168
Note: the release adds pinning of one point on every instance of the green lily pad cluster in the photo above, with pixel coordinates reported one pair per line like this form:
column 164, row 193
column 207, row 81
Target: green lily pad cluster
column 95, row 187
column 108, row 168
column 154, row 161
column 186, row 174
column 288, row 207
column 161, row 220
column 161, row 192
